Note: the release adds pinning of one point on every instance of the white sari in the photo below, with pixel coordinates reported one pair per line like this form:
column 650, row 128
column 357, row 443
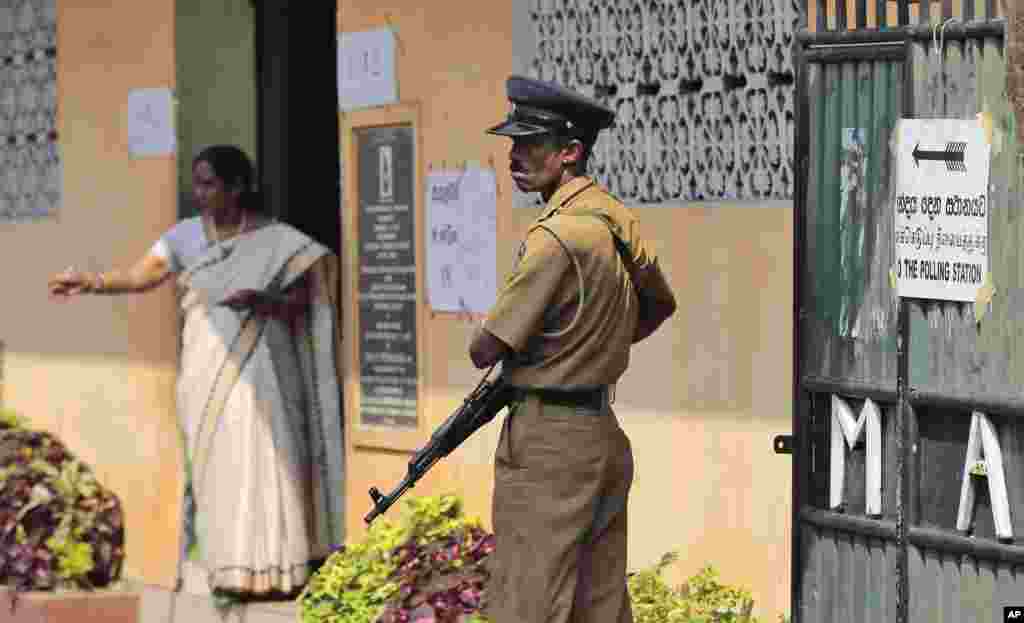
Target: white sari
column 260, row 410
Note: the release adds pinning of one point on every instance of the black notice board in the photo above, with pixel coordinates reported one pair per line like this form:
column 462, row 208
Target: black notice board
column 387, row 277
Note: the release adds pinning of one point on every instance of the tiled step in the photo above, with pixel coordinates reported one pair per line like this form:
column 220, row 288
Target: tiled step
column 160, row 605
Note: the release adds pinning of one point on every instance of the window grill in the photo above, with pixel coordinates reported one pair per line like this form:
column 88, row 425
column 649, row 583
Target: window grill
column 703, row 92
column 30, row 168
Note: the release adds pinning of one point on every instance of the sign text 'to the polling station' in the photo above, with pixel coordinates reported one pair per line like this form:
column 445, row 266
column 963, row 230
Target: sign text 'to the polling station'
column 941, row 209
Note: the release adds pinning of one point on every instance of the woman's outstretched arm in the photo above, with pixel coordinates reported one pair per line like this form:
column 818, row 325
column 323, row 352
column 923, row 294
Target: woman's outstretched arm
column 144, row 275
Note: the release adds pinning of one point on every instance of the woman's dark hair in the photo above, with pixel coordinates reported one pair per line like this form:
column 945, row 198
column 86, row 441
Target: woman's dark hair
column 230, row 164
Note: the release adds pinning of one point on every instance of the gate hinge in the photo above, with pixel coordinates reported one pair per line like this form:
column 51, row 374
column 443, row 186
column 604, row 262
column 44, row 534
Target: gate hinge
column 783, row 444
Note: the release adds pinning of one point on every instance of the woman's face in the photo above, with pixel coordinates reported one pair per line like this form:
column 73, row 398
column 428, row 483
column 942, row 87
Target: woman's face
column 209, row 191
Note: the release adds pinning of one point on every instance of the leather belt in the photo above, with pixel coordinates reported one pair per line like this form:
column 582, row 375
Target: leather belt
column 593, row 399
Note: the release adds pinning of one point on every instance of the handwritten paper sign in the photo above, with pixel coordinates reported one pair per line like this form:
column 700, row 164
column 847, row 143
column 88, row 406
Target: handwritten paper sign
column 461, row 240
column 151, row 122
column 366, row 69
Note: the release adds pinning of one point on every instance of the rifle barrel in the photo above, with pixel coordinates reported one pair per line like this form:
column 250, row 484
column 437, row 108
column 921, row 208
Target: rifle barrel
column 473, row 413
column 381, row 503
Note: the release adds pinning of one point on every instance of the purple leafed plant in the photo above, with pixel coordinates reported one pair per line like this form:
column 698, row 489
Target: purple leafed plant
column 441, row 581
column 58, row 526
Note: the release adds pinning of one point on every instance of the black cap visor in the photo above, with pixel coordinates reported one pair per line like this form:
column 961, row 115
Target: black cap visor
column 517, row 127
column 530, row 121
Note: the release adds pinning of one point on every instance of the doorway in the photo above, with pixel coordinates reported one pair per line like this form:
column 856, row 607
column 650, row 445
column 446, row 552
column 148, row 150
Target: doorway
column 262, row 75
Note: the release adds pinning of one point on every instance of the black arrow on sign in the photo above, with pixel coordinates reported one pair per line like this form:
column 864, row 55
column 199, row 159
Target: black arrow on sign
column 953, row 156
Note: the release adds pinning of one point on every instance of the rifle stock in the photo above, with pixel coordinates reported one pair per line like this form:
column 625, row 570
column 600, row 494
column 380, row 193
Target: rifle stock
column 479, row 408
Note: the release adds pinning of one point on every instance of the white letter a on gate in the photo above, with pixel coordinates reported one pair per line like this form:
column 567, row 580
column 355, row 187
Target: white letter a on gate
column 984, row 458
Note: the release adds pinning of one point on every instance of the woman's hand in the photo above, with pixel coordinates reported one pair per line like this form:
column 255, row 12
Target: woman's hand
column 248, row 299
column 70, row 283
column 146, row 274
column 285, row 307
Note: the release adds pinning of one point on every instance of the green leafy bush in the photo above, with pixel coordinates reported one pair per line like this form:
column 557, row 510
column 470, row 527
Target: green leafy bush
column 58, row 527
column 10, row 419
column 433, row 561
column 432, row 566
column 701, row 599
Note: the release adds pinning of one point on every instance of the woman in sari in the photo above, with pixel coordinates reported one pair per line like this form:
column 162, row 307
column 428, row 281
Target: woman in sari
column 258, row 396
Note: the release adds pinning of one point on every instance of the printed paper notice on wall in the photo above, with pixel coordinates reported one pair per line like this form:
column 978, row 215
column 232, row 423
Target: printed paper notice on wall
column 151, row 122
column 366, row 69
column 941, row 209
column 461, row 240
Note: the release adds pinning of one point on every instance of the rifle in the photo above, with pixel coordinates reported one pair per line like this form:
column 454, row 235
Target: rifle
column 479, row 408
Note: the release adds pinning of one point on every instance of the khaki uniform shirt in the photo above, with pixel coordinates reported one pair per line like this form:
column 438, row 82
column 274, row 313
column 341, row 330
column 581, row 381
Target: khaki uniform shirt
column 535, row 309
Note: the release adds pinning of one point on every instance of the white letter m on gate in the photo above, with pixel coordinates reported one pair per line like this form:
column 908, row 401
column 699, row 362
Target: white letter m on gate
column 846, row 428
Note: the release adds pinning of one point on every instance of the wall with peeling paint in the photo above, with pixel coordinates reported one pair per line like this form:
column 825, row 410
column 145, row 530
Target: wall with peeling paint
column 953, row 350
column 1015, row 62
column 850, row 318
column 962, row 358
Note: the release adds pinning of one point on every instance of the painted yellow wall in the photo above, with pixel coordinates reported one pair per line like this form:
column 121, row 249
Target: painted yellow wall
column 700, row 403
column 100, row 371
column 703, row 397
column 452, row 60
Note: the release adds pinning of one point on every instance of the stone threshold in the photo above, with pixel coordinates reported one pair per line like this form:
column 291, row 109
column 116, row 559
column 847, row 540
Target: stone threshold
column 163, row 605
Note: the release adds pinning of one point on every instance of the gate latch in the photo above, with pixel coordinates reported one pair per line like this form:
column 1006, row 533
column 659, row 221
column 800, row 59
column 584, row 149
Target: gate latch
column 783, row 444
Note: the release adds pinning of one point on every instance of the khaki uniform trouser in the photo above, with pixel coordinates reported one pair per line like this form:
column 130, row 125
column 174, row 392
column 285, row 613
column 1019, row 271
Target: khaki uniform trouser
column 562, row 480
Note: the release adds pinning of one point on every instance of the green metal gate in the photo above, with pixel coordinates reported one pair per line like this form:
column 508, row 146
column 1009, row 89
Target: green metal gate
column 894, row 383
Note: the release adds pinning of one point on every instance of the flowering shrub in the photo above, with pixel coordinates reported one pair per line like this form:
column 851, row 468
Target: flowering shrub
column 432, row 563
column 58, row 527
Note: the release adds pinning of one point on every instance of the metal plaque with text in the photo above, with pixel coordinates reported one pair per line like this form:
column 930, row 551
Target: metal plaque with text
column 387, row 277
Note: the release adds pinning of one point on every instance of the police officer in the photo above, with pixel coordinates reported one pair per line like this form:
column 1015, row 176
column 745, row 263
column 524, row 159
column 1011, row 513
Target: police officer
column 585, row 287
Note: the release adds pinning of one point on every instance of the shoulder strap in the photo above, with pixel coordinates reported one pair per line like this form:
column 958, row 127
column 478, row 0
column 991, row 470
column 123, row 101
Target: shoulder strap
column 621, row 244
column 579, row 275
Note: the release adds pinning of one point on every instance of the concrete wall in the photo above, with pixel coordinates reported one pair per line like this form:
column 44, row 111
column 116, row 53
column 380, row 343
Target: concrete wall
column 100, row 371
column 702, row 399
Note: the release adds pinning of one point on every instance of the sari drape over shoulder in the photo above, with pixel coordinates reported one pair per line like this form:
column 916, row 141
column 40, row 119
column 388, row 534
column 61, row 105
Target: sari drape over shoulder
column 260, row 409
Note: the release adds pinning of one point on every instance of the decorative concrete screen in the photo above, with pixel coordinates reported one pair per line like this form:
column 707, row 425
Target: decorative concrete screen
column 703, row 90
column 30, row 168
